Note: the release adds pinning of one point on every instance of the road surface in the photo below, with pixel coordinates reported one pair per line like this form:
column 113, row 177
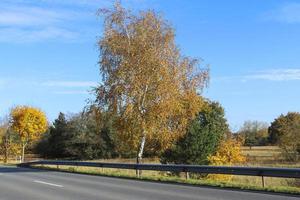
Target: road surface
column 33, row 184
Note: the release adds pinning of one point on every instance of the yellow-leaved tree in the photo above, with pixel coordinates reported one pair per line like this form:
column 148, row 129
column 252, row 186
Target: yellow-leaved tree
column 9, row 145
column 151, row 88
column 229, row 153
column 30, row 123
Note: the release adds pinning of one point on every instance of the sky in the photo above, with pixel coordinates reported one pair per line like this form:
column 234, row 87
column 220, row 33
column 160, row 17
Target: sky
column 49, row 54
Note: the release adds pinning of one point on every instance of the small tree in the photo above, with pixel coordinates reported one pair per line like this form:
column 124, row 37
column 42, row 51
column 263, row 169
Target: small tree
column 147, row 83
column 228, row 153
column 202, row 138
column 285, row 132
column 9, row 144
column 30, row 123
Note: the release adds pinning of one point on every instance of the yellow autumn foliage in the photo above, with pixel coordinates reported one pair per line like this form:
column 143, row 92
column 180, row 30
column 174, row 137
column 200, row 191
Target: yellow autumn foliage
column 29, row 123
column 147, row 83
column 9, row 146
column 228, row 154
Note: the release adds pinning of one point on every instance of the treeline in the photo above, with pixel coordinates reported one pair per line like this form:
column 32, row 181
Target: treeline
column 284, row 131
column 91, row 135
column 86, row 135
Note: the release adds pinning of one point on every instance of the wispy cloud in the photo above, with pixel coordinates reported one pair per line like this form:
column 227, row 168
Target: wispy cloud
column 70, row 84
column 31, row 16
column 70, row 92
column 20, row 35
column 266, row 75
column 93, row 3
column 42, row 20
column 31, row 23
column 276, row 75
column 287, row 13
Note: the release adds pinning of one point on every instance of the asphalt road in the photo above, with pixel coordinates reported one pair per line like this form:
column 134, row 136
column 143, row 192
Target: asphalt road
column 33, row 184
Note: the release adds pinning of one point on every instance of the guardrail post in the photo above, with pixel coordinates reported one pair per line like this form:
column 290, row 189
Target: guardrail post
column 263, row 181
column 187, row 175
column 138, row 173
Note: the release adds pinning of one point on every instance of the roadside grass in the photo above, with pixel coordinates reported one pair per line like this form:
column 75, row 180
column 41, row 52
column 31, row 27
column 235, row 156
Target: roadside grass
column 9, row 163
column 279, row 185
column 262, row 156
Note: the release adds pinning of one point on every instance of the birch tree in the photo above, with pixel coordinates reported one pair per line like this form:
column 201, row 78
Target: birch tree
column 147, row 83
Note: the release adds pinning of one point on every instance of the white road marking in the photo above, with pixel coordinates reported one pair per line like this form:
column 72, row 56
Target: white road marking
column 45, row 183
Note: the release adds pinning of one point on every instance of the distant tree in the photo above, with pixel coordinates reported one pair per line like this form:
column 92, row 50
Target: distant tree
column 30, row 123
column 147, row 83
column 285, row 132
column 255, row 133
column 202, row 138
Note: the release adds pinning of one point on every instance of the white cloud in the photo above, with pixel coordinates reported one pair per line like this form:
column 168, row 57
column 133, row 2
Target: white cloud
column 72, row 92
column 43, row 20
column 31, row 16
column 28, row 23
column 80, row 2
column 267, row 75
column 70, row 84
column 287, row 13
column 23, row 35
column 276, row 75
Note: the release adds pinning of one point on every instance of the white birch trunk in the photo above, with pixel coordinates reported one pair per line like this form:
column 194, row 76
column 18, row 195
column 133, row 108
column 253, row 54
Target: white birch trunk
column 140, row 154
column 23, row 152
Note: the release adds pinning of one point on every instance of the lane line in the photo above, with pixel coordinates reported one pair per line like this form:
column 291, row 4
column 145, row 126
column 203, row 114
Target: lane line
column 45, row 183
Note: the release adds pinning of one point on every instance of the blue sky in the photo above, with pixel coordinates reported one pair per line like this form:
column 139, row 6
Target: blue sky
column 48, row 52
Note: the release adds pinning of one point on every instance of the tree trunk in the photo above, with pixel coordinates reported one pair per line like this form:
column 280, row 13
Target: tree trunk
column 23, row 152
column 6, row 154
column 6, row 149
column 140, row 154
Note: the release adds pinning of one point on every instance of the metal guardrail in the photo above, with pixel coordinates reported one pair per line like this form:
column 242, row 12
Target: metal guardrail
column 248, row 171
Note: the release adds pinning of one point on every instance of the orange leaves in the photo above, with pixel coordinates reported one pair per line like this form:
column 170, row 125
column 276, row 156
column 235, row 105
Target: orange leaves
column 151, row 86
column 28, row 122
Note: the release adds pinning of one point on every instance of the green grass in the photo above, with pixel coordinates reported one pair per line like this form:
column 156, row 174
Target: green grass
column 278, row 185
